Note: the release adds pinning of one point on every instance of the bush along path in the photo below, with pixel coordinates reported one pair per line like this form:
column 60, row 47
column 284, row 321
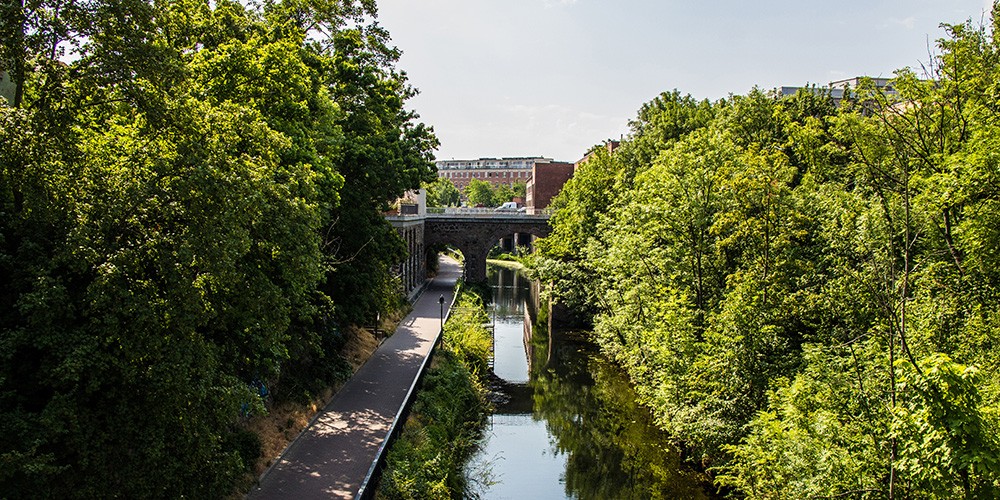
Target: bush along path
column 446, row 424
column 331, row 458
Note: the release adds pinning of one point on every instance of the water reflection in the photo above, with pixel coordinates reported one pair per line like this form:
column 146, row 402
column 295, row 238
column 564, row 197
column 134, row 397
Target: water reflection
column 572, row 427
column 510, row 291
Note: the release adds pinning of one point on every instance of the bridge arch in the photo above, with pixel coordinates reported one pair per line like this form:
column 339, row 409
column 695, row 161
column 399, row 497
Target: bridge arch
column 475, row 236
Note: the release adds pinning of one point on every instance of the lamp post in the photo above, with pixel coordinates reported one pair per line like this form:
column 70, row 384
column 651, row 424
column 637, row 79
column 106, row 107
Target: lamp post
column 441, row 303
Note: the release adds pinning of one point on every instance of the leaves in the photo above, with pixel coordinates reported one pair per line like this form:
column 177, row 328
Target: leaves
column 168, row 198
column 787, row 283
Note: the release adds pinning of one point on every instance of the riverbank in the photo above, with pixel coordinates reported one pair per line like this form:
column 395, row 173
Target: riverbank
column 445, row 424
column 509, row 264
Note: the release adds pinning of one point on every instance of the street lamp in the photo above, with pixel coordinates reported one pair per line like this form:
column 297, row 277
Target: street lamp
column 441, row 303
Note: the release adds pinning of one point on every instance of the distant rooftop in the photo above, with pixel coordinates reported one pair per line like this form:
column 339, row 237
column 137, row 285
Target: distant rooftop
column 513, row 162
column 836, row 89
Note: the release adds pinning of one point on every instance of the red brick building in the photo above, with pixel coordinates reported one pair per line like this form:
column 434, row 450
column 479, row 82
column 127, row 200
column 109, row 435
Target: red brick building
column 610, row 145
column 547, row 180
column 496, row 171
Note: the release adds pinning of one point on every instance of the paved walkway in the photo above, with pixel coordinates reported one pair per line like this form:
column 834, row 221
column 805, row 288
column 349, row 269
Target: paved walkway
column 331, row 458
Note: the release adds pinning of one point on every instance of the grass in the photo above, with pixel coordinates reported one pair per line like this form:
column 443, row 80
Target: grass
column 511, row 264
column 522, row 258
column 446, row 423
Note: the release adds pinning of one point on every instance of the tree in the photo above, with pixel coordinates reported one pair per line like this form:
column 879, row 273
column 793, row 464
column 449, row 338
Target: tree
column 502, row 193
column 176, row 204
column 385, row 153
column 520, row 189
column 479, row 193
column 442, row 193
column 906, row 298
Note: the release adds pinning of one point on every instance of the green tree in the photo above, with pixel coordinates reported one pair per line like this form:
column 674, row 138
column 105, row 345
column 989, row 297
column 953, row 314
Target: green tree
column 442, row 193
column 502, row 193
column 905, row 295
column 384, row 154
column 520, row 189
column 479, row 193
column 171, row 205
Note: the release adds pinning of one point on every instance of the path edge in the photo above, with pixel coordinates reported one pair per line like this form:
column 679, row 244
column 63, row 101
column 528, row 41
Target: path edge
column 405, row 406
column 367, row 489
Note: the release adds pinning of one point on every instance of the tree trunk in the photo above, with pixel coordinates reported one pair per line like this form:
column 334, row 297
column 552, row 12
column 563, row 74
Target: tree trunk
column 18, row 51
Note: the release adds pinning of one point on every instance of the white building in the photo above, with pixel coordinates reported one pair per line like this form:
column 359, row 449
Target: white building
column 837, row 89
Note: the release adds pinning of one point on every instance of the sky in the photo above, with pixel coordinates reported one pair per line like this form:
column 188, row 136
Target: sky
column 552, row 78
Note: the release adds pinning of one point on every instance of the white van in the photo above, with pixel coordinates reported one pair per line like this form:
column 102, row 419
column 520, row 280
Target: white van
column 510, row 206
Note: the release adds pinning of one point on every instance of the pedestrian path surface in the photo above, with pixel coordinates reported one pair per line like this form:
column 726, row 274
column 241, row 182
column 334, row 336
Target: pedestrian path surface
column 331, row 458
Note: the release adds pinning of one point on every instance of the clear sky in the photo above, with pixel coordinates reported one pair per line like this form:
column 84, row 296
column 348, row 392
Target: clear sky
column 554, row 77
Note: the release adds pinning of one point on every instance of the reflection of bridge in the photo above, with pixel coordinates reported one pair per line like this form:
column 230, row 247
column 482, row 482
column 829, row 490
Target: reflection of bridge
column 473, row 231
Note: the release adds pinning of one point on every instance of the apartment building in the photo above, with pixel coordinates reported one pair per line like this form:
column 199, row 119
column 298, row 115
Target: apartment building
column 496, row 171
column 837, row 89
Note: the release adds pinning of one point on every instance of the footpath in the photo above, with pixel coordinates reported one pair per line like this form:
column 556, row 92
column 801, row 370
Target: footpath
column 332, row 457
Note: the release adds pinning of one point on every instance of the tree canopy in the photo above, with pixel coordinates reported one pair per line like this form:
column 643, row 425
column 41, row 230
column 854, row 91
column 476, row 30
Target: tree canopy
column 482, row 193
column 442, row 193
column 190, row 208
column 805, row 293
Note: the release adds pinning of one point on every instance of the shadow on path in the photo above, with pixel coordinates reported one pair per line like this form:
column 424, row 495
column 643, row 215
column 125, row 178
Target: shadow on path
column 332, row 456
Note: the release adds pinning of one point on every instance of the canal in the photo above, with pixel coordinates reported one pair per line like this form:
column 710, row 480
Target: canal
column 566, row 422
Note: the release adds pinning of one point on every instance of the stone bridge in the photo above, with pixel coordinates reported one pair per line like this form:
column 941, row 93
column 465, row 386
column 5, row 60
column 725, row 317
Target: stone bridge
column 472, row 232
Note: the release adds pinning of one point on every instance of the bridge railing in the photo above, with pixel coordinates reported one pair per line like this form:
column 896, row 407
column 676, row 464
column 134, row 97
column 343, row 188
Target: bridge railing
column 481, row 211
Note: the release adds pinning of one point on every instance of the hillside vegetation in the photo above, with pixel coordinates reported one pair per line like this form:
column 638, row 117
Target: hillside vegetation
column 806, row 295
column 190, row 212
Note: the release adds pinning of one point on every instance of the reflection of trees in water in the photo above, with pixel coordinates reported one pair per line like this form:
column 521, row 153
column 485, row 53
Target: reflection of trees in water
column 612, row 448
column 510, row 290
column 590, row 410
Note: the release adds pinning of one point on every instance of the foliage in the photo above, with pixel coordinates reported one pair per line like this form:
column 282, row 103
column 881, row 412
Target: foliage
column 465, row 336
column 479, row 193
column 384, row 154
column 948, row 444
column 482, row 193
column 445, row 425
column 173, row 222
column 519, row 190
column 442, row 193
column 803, row 293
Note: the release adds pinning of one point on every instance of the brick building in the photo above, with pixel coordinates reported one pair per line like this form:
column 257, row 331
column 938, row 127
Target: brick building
column 543, row 177
column 496, row 171
column 546, row 181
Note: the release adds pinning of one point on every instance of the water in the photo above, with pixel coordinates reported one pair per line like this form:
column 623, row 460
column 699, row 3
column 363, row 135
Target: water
column 571, row 427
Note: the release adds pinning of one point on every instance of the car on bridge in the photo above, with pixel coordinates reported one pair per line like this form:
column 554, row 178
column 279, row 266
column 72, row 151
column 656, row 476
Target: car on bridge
column 510, row 206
